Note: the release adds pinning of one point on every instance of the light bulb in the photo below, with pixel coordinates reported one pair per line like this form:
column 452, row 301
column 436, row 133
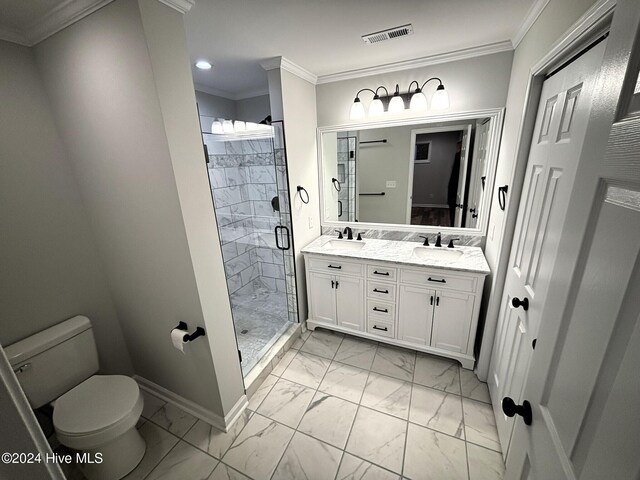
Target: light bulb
column 357, row 110
column 251, row 126
column 376, row 108
column 396, row 105
column 418, row 102
column 239, row 126
column 227, row 126
column 440, row 99
column 216, row 127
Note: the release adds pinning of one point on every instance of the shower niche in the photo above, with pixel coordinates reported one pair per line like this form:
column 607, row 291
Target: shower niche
column 247, row 170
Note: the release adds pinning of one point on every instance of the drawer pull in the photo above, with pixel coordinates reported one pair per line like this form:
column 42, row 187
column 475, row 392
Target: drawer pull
column 437, row 301
column 436, row 280
column 381, row 273
column 380, row 291
column 339, row 267
column 431, row 298
column 384, row 329
column 383, row 310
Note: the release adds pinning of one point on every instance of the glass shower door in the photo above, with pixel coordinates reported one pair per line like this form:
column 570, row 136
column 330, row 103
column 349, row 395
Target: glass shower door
column 248, row 178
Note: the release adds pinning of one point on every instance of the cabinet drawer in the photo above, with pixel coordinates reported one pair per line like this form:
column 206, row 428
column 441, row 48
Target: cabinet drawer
column 381, row 291
column 439, row 279
column 380, row 327
column 381, row 273
column 381, row 310
column 336, row 266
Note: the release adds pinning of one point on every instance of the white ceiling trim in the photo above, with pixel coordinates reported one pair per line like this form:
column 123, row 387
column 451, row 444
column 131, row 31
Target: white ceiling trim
column 13, row 35
column 532, row 15
column 183, row 6
column 230, row 96
column 291, row 67
column 456, row 55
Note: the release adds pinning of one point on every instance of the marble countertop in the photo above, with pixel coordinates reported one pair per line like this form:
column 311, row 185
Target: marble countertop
column 402, row 253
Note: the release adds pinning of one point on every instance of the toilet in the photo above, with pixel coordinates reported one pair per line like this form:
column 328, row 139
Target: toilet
column 92, row 414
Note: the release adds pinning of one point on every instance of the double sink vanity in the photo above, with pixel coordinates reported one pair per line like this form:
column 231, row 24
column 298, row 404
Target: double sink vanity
column 402, row 293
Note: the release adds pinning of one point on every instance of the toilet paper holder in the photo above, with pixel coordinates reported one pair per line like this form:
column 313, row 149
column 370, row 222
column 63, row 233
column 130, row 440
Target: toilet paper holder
column 190, row 337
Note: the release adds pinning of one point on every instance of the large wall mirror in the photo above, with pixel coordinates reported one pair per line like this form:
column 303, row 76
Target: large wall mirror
column 412, row 174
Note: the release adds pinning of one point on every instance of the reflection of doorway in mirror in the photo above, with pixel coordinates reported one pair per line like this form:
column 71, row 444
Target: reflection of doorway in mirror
column 346, row 153
column 437, row 175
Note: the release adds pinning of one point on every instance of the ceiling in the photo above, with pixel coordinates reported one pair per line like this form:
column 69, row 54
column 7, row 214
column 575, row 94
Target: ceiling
column 324, row 36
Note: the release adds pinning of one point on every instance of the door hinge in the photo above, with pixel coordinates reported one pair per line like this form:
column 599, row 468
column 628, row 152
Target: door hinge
column 533, row 344
column 240, row 355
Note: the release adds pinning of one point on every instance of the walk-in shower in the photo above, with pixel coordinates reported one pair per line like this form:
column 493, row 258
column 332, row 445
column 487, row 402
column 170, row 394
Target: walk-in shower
column 248, row 178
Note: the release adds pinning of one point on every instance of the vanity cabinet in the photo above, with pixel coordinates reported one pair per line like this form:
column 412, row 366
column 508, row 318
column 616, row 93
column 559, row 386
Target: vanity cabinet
column 433, row 310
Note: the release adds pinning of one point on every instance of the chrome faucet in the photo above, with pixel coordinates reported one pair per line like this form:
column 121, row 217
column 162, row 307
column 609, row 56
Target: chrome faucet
column 439, row 240
column 349, row 233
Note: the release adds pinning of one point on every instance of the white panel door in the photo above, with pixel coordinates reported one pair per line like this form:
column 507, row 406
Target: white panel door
column 452, row 320
column 478, row 175
column 322, row 297
column 462, row 176
column 415, row 314
column 584, row 382
column 350, row 302
column 558, row 137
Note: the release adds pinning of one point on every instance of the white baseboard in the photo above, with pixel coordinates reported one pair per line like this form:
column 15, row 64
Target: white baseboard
column 193, row 408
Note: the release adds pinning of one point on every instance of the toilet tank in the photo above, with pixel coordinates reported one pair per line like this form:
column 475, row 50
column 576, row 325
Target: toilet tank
column 53, row 361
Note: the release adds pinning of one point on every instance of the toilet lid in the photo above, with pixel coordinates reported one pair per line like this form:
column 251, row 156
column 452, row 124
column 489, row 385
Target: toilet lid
column 97, row 403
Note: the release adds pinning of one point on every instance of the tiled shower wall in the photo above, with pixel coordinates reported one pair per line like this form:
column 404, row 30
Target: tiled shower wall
column 347, row 176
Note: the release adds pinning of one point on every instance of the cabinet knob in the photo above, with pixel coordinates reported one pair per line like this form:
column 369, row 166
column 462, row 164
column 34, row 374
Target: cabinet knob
column 510, row 409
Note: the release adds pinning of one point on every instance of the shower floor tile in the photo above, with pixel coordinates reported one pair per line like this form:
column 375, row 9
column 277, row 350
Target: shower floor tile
column 260, row 317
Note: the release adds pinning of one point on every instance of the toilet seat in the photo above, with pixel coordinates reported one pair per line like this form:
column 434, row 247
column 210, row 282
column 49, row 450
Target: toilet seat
column 97, row 411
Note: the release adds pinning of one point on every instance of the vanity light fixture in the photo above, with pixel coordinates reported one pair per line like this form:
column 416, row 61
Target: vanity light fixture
column 418, row 102
column 203, row 65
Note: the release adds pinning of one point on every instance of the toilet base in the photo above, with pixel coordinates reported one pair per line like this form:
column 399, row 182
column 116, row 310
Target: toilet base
column 119, row 457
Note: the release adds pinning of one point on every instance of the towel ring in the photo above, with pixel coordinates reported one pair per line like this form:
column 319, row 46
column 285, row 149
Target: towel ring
column 300, row 190
column 502, row 196
column 336, row 184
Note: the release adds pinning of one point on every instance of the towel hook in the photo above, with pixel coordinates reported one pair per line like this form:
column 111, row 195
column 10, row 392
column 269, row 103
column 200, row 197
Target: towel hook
column 301, row 189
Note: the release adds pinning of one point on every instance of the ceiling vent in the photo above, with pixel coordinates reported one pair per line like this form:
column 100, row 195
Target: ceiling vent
column 388, row 34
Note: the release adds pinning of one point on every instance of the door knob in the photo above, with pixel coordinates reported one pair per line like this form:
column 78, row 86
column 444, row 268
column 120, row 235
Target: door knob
column 524, row 303
column 510, row 409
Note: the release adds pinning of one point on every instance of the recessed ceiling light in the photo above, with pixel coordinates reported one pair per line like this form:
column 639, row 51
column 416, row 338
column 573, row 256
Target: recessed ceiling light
column 203, row 65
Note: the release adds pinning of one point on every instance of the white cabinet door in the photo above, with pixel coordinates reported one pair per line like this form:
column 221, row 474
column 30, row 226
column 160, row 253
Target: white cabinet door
column 322, row 297
column 452, row 320
column 415, row 314
column 350, row 302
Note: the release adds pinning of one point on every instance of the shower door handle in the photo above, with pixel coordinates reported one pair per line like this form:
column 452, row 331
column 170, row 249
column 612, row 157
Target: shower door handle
column 286, row 230
column 339, row 208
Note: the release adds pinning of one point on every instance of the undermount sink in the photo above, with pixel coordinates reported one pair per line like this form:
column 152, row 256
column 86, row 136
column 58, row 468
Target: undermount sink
column 434, row 253
column 345, row 244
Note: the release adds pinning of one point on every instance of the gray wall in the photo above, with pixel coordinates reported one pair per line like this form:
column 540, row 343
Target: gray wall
column 50, row 266
column 253, row 109
column 431, row 180
column 120, row 87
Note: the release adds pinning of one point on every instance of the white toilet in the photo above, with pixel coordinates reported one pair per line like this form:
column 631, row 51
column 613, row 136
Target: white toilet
column 91, row 413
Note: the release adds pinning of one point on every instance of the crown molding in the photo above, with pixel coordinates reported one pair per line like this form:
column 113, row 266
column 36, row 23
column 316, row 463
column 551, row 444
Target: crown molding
column 230, row 96
column 291, row 67
column 456, row 55
column 532, row 15
column 13, row 35
column 182, row 6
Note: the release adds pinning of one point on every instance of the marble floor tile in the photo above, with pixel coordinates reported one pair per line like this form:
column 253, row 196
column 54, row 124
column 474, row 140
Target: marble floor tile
column 378, row 438
column 307, row 369
column 159, row 442
column 151, row 404
column 472, row 387
column 324, row 344
column 344, row 381
column 356, row 352
column 484, row 464
column 432, row 455
column 308, row 458
column 437, row 410
column 173, row 419
column 298, row 343
column 284, row 362
column 213, row 441
column 263, row 390
column 480, row 424
column 184, row 461
column 286, row 402
column 354, row 468
column 387, row 395
column 224, row 472
column 257, row 450
column 394, row 362
column 329, row 419
column 436, row 372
